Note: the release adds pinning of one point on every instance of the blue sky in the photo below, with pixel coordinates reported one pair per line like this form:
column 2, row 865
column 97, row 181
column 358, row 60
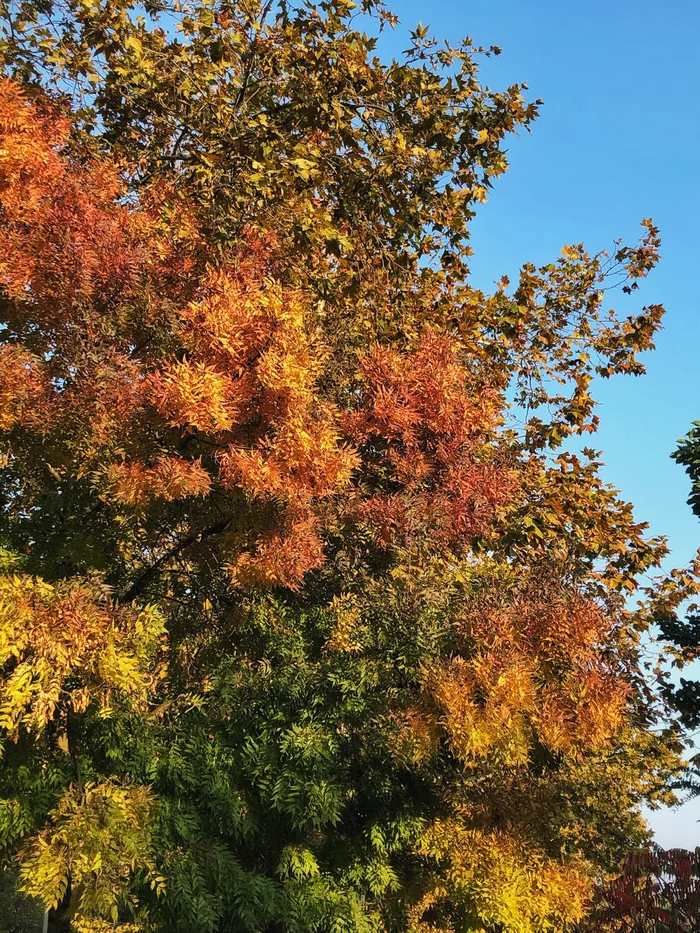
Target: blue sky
column 617, row 141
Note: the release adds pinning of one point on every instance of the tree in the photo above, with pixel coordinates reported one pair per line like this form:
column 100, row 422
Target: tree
column 683, row 634
column 18, row 913
column 303, row 626
column 658, row 892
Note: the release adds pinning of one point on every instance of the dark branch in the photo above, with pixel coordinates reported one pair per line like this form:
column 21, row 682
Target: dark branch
column 137, row 588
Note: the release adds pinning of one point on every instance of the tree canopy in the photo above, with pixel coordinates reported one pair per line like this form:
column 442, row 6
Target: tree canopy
column 309, row 618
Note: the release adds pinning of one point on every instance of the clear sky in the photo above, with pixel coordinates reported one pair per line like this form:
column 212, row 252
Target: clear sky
column 617, row 141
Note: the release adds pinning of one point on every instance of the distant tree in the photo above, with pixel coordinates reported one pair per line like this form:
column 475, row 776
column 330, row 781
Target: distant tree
column 658, row 892
column 682, row 630
column 18, row 913
column 303, row 628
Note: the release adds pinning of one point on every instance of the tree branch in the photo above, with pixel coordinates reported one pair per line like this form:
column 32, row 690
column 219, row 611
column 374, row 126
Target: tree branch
column 140, row 584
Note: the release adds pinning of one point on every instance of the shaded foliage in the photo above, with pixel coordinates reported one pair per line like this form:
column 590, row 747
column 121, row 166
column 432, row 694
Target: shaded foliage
column 18, row 913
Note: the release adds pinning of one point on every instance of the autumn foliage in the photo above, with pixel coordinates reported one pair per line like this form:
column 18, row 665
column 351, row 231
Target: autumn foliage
column 657, row 890
column 299, row 629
